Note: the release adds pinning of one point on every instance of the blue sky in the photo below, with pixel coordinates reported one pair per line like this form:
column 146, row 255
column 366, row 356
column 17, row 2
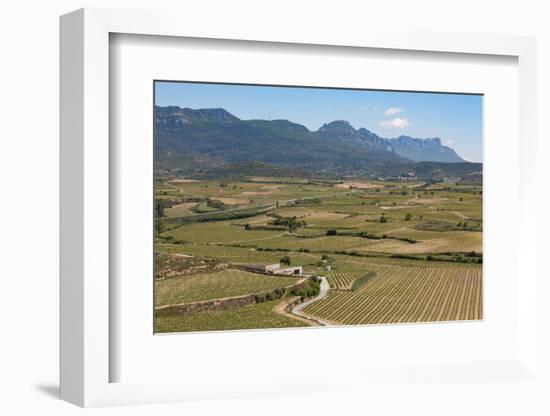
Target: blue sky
column 455, row 118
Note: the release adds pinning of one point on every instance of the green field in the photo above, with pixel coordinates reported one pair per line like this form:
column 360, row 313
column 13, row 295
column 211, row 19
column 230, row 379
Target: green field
column 227, row 283
column 391, row 251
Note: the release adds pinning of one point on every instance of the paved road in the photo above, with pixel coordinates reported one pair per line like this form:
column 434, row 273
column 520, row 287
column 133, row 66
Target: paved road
column 297, row 310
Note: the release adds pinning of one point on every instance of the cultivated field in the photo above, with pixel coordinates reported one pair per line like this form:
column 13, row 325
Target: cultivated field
column 391, row 251
column 223, row 284
column 407, row 294
column 261, row 315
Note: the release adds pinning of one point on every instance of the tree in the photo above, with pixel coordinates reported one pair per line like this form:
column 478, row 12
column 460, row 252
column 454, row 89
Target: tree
column 383, row 218
column 408, row 216
column 290, row 222
column 159, row 226
column 285, row 260
column 332, row 232
column 159, row 209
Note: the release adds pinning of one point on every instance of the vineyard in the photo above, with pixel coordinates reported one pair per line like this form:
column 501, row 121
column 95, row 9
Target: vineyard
column 390, row 251
column 411, row 294
column 227, row 283
column 259, row 315
column 343, row 280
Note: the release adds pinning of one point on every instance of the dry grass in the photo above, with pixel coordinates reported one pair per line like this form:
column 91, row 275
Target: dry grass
column 182, row 180
column 179, row 210
column 462, row 241
column 358, row 185
column 234, row 201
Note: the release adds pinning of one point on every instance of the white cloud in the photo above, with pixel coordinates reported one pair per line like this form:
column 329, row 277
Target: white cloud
column 398, row 123
column 392, row 111
column 449, row 142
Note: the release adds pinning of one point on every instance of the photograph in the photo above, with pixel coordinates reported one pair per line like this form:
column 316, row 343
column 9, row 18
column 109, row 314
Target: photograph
column 299, row 206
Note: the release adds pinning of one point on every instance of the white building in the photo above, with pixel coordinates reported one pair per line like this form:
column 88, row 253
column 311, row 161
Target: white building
column 275, row 269
column 263, row 268
column 296, row 270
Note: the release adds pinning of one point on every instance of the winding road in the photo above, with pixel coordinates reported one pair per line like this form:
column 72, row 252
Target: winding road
column 323, row 292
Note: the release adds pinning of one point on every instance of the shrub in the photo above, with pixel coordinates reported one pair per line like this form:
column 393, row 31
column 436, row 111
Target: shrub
column 331, row 232
column 285, row 260
column 290, row 222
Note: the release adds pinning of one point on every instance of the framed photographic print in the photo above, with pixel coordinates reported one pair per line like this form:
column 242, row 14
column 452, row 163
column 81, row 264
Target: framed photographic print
column 271, row 212
column 332, row 199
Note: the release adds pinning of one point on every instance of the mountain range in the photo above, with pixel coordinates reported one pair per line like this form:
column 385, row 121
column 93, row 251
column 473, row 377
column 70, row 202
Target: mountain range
column 213, row 138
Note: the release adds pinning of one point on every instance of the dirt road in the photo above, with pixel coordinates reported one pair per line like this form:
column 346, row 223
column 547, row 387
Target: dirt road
column 460, row 215
column 323, row 292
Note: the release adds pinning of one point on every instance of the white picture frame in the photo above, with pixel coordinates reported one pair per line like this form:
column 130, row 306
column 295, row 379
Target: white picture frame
column 86, row 355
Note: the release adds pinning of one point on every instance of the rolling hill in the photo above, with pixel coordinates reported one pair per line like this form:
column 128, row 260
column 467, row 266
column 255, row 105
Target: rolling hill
column 213, row 140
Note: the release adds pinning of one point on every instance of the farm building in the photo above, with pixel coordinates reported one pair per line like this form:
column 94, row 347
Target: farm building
column 296, row 270
column 263, row 268
column 274, row 269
